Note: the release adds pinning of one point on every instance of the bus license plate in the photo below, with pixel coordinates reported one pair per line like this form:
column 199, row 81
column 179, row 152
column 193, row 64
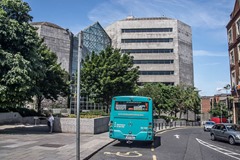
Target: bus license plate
column 130, row 137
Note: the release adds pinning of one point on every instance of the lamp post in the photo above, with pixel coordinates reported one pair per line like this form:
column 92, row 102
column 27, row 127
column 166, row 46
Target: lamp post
column 80, row 46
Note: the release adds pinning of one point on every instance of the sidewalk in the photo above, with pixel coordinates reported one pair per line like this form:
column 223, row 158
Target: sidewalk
column 34, row 142
column 21, row 142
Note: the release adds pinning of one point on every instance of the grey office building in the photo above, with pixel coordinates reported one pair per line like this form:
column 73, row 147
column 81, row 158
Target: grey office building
column 58, row 39
column 161, row 47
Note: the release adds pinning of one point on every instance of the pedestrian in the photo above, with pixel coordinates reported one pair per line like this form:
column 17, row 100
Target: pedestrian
column 50, row 122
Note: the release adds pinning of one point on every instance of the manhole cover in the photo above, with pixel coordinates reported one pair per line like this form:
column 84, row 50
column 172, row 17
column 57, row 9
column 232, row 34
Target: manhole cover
column 52, row 145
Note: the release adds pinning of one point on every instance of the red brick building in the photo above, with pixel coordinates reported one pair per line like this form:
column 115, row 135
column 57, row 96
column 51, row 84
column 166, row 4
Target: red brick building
column 205, row 108
column 233, row 32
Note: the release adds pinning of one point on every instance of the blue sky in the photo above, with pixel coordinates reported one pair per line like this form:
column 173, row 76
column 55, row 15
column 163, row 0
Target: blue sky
column 208, row 19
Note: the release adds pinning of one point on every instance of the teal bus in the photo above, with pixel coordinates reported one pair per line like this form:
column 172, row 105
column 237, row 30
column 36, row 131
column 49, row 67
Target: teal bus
column 131, row 119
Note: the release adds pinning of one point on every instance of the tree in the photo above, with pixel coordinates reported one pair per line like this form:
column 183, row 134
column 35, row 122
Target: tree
column 160, row 94
column 108, row 74
column 219, row 110
column 20, row 63
column 28, row 68
column 55, row 82
column 172, row 99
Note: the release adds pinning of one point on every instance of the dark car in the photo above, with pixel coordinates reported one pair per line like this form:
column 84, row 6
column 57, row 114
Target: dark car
column 227, row 132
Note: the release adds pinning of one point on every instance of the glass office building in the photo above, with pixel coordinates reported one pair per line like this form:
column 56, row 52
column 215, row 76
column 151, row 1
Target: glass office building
column 92, row 39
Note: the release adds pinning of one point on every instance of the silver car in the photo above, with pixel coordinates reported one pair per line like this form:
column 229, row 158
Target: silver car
column 208, row 125
column 227, row 132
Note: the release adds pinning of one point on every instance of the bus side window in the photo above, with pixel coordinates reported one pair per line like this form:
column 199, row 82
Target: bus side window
column 146, row 106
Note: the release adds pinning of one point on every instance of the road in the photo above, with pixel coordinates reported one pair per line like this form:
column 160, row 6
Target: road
column 177, row 144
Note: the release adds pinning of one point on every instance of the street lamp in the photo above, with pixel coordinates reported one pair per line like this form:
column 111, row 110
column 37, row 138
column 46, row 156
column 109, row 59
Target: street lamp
column 80, row 46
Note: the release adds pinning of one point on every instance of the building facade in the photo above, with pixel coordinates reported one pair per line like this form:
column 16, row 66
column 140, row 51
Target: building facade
column 233, row 33
column 210, row 102
column 91, row 39
column 67, row 48
column 58, row 39
column 161, row 47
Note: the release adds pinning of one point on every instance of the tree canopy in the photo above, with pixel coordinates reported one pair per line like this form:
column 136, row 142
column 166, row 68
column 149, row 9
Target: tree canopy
column 172, row 99
column 20, row 63
column 27, row 66
column 108, row 74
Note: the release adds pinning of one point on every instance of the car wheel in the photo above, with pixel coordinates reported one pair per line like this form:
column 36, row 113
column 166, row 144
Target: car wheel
column 231, row 140
column 213, row 137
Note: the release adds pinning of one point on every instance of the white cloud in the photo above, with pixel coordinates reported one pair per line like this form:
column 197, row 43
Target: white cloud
column 209, row 53
column 206, row 14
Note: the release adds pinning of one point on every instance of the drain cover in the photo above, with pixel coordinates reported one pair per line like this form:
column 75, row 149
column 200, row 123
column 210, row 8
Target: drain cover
column 52, row 145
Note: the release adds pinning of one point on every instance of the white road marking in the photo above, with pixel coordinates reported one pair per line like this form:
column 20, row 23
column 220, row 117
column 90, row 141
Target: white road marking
column 154, row 157
column 177, row 136
column 219, row 149
column 127, row 154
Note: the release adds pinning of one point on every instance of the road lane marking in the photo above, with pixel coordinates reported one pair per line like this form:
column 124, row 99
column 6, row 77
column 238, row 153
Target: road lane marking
column 219, row 149
column 177, row 136
column 127, row 154
column 154, row 157
column 152, row 149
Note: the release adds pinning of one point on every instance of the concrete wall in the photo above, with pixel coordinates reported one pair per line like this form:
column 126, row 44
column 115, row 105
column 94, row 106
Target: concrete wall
column 10, row 118
column 181, row 45
column 92, row 126
column 15, row 117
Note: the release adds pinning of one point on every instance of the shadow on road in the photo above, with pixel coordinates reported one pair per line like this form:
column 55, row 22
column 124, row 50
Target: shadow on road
column 140, row 144
column 26, row 130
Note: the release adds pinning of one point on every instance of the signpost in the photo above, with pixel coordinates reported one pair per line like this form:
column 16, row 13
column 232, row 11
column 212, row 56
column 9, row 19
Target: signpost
column 80, row 46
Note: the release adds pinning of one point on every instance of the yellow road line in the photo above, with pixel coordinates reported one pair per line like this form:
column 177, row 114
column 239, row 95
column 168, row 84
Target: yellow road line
column 154, row 157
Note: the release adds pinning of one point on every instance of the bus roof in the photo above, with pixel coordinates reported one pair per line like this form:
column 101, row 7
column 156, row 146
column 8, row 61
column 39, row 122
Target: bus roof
column 142, row 97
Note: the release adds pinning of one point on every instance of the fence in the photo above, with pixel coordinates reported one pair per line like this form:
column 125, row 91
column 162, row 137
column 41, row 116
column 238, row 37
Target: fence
column 164, row 125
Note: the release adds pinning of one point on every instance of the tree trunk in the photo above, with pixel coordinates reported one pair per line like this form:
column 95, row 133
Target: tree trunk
column 39, row 104
column 180, row 115
column 159, row 112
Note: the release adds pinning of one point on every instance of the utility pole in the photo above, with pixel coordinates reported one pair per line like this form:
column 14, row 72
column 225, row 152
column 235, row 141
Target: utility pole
column 80, row 46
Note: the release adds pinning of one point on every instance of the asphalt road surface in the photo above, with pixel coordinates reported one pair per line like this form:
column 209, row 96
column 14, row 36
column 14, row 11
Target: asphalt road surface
column 177, row 144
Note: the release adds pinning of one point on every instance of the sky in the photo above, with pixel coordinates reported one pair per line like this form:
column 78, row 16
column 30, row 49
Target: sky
column 207, row 18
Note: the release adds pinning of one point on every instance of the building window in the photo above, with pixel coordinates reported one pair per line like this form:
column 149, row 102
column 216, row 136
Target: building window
column 132, row 30
column 166, row 83
column 154, row 40
column 232, row 59
column 153, row 61
column 233, row 78
column 156, row 72
column 238, row 26
column 238, row 49
column 147, row 50
column 230, row 40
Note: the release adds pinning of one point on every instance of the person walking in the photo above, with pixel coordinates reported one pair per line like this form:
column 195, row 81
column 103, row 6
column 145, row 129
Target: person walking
column 50, row 122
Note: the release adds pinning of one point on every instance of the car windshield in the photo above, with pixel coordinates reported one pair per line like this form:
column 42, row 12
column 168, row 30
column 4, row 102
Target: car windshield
column 233, row 128
column 210, row 123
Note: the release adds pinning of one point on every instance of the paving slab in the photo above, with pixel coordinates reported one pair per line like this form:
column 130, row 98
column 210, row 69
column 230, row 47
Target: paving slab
column 23, row 142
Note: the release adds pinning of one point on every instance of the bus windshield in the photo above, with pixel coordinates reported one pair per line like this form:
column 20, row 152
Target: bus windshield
column 131, row 106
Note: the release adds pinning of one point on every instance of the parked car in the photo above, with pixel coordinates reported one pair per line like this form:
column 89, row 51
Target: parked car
column 208, row 125
column 227, row 132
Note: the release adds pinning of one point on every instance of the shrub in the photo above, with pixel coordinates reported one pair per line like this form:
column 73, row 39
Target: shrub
column 24, row 112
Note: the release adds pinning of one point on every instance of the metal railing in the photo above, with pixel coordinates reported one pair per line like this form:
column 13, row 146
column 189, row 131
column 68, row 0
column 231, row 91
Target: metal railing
column 175, row 124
